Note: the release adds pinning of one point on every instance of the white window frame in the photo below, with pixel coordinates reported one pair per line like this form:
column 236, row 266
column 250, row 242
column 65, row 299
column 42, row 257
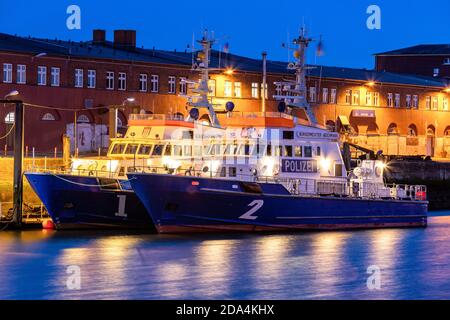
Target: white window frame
column 143, row 82
column 42, row 76
column 79, row 78
column 237, row 89
column 21, row 74
column 172, row 85
column 278, row 89
column 55, row 76
column 183, row 85
column 428, row 102
column 7, row 72
column 255, row 90
column 333, row 96
column 397, row 100
column 445, row 104
column 110, row 80
column 369, row 95
column 325, row 95
column 408, row 101
column 122, row 81
column 376, row 99
column 228, row 89
column 92, row 79
column 435, row 103
column 154, row 83
column 356, row 97
column 348, row 97
column 312, row 94
column 48, row 117
column 390, row 100
column 266, row 91
column 415, row 101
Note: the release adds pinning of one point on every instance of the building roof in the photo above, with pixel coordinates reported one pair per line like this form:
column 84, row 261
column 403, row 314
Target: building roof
column 107, row 50
column 422, row 49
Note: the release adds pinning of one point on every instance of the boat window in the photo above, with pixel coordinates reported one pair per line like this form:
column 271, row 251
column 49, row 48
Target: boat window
column 277, row 151
column 168, row 150
column 145, row 149
column 269, row 150
column 308, row 152
column 188, row 151
column 131, row 148
column 198, row 151
column 318, row 151
column 230, row 149
column 157, row 150
column 232, row 172
column 177, row 151
column 118, row 148
column 288, row 135
column 258, row 150
column 338, row 170
column 188, row 135
column 223, row 171
column 288, row 151
column 244, row 150
column 214, row 149
column 298, row 151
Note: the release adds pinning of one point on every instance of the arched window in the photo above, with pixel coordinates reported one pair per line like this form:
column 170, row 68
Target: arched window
column 9, row 119
column 412, row 130
column 447, row 132
column 48, row 117
column 83, row 119
column 431, row 131
column 205, row 119
column 179, row 116
column 392, row 129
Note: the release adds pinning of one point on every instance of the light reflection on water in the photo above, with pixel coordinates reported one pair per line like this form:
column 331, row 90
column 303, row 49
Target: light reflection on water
column 415, row 264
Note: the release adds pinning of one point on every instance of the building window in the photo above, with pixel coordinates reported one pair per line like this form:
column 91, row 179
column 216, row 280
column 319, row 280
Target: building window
column 21, row 74
column 9, row 119
column 397, row 100
column 415, row 101
column 54, row 77
column 143, row 82
column 333, row 96
column 348, row 96
column 42, row 76
column 154, row 83
column 356, row 98
column 83, row 119
column 48, row 117
column 368, row 98
column 408, row 101
column 446, row 62
column 183, row 85
column 79, row 78
column 7, row 72
column 237, row 89
column 110, row 80
column 172, row 84
column 428, row 102
column 212, row 87
column 445, row 104
column 91, row 79
column 436, row 72
column 435, row 103
column 412, row 131
column 122, row 81
column 376, row 99
column 390, row 100
column 227, row 89
column 278, row 89
column 312, row 94
column 265, row 90
column 255, row 90
column 325, row 95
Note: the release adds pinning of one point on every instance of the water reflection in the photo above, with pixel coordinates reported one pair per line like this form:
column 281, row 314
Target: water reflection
column 315, row 265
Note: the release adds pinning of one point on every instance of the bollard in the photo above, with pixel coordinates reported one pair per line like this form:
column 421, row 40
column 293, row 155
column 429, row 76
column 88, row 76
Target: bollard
column 26, row 152
column 32, row 150
column 56, row 151
column 6, row 150
column 99, row 152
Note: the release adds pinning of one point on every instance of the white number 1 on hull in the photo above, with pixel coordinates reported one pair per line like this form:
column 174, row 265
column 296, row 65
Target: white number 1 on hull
column 121, row 210
column 256, row 205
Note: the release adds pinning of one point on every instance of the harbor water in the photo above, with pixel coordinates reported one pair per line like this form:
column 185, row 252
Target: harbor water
column 408, row 263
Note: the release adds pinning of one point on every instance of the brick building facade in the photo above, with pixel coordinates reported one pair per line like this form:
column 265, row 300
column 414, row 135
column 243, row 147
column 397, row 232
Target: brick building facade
column 399, row 114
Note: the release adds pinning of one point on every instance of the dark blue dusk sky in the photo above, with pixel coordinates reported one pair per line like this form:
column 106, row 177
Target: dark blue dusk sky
column 249, row 26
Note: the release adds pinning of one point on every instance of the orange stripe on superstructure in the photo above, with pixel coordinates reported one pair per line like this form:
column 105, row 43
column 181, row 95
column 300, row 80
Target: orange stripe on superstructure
column 161, row 123
column 264, row 122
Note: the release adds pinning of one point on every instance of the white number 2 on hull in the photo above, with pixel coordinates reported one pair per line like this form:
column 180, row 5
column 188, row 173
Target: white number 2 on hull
column 121, row 209
column 256, row 205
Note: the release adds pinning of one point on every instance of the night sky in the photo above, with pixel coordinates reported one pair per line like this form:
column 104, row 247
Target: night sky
column 249, row 26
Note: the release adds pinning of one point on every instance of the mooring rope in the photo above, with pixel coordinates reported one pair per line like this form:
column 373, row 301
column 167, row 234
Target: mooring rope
column 89, row 185
column 9, row 132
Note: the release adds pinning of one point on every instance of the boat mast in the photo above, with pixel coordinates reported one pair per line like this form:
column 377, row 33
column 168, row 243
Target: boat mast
column 201, row 100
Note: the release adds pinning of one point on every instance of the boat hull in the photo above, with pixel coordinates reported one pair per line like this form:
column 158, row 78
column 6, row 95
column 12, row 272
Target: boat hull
column 77, row 202
column 187, row 204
